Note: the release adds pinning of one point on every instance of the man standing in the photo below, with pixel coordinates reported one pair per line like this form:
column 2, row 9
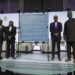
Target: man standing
column 10, row 39
column 69, row 35
column 2, row 35
column 56, row 29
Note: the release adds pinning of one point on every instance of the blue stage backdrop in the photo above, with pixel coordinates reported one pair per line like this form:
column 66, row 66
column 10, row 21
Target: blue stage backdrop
column 33, row 26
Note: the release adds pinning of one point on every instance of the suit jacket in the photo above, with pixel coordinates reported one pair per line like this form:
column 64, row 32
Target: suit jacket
column 11, row 33
column 69, row 30
column 2, row 33
column 54, row 29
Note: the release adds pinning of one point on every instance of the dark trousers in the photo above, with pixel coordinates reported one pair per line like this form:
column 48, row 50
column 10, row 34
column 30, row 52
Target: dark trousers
column 54, row 42
column 1, row 42
column 69, row 45
column 10, row 50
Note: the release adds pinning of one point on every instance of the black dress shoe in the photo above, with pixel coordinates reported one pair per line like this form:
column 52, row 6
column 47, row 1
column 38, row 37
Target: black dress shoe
column 13, row 57
column 74, row 60
column 67, row 60
column 59, row 59
column 52, row 59
column 0, row 58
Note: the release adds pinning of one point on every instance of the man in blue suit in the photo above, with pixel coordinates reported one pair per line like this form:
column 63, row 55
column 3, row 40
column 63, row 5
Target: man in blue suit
column 56, row 29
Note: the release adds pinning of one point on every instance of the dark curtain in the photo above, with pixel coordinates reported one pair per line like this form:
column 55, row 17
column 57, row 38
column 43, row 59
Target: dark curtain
column 43, row 5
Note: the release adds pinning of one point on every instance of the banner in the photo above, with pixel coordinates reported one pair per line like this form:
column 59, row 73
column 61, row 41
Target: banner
column 34, row 26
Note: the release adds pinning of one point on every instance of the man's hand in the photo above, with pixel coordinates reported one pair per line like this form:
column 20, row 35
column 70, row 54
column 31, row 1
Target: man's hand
column 64, row 37
column 56, row 34
column 9, row 37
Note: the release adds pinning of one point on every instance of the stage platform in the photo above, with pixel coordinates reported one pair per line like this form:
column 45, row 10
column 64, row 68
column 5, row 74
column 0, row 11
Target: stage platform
column 37, row 64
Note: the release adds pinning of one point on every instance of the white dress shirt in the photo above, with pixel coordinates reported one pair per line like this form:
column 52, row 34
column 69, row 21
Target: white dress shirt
column 10, row 28
column 56, row 24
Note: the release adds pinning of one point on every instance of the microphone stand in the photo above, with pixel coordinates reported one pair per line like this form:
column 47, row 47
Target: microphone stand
column 18, row 11
column 48, row 51
column 48, row 45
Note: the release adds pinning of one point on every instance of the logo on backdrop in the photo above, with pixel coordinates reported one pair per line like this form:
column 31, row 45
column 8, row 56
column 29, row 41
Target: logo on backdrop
column 5, row 18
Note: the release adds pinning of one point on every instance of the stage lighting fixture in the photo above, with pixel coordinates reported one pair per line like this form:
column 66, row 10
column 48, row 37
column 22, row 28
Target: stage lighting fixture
column 48, row 9
column 36, row 10
column 2, row 12
column 18, row 11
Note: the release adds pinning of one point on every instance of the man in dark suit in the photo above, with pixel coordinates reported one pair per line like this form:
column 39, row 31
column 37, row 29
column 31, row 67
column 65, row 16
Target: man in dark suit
column 69, row 35
column 2, row 36
column 10, row 39
column 56, row 29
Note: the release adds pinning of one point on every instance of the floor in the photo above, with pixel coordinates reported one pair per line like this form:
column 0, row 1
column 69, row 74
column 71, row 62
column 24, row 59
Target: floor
column 37, row 56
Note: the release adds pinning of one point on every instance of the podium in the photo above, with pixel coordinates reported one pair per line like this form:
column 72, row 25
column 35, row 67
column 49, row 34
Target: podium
column 25, row 47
